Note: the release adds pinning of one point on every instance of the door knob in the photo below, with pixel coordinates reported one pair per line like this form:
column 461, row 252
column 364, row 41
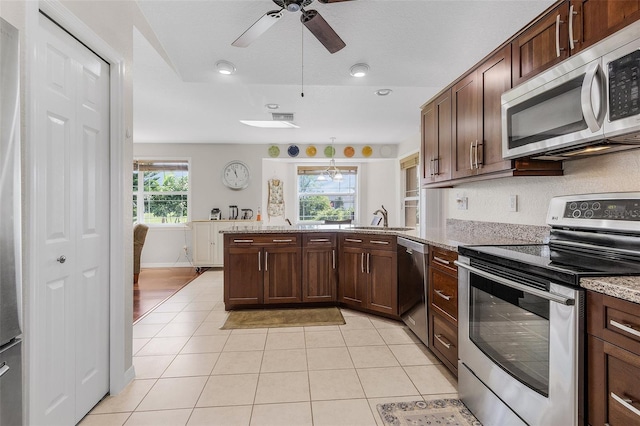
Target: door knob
column 62, row 259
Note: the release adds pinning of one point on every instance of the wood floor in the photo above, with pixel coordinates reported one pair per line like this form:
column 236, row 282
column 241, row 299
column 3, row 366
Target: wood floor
column 155, row 285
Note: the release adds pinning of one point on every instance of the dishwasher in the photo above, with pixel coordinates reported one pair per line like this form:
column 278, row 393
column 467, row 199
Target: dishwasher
column 412, row 286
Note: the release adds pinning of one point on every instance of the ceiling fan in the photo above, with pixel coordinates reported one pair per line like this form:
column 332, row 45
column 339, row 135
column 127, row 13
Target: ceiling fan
column 310, row 18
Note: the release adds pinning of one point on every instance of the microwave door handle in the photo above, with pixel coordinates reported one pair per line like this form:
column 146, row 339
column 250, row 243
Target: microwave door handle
column 585, row 97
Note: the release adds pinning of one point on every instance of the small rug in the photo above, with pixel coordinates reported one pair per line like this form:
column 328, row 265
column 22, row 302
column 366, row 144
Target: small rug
column 436, row 412
column 264, row 318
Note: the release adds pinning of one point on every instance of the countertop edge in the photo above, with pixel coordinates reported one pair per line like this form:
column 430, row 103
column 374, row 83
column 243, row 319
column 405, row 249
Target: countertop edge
column 625, row 288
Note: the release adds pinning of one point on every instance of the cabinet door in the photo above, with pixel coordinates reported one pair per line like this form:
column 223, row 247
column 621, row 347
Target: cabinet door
column 319, row 274
column 282, row 278
column 382, row 269
column 436, row 140
column 353, row 276
column 494, row 78
column 593, row 20
column 243, row 276
column 465, row 136
column 217, row 242
column 202, row 243
column 541, row 46
column 429, row 143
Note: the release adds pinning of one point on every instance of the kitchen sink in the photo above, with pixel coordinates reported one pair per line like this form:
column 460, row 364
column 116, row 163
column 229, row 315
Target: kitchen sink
column 381, row 228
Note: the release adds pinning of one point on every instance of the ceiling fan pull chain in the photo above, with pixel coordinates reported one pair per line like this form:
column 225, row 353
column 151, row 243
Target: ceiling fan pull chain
column 302, row 61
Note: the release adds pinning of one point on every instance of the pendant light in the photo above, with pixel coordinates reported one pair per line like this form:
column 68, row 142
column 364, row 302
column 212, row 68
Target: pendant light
column 331, row 172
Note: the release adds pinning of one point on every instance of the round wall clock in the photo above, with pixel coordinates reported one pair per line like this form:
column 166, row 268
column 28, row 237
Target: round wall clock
column 235, row 175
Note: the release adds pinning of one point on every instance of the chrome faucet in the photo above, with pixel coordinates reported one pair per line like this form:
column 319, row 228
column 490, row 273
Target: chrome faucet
column 383, row 211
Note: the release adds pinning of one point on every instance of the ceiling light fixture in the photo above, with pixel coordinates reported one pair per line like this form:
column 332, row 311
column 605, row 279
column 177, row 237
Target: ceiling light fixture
column 383, row 92
column 272, row 106
column 359, row 70
column 225, row 67
column 331, row 172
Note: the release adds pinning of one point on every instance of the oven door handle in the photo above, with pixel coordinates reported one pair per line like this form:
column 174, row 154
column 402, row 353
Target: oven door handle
column 553, row 297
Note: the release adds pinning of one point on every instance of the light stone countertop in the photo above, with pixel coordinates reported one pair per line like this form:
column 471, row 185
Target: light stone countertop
column 626, row 288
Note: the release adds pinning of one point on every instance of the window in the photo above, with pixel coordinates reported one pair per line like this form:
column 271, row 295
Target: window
column 411, row 195
column 161, row 191
column 328, row 199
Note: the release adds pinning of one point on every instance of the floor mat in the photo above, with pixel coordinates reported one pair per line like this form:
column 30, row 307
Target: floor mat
column 265, row 318
column 436, row 412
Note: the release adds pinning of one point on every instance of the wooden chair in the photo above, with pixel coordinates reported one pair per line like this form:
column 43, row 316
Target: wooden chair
column 139, row 235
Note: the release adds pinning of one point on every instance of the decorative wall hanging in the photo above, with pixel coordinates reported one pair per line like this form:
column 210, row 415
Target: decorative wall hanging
column 275, row 206
column 293, row 150
column 349, row 151
column 311, row 151
column 367, row 151
column 274, row 151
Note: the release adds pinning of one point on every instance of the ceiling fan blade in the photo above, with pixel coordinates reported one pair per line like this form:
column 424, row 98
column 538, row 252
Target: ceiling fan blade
column 331, row 1
column 322, row 30
column 258, row 28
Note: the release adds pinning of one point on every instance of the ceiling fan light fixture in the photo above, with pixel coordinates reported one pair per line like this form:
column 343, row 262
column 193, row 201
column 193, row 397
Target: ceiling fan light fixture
column 359, row 70
column 272, row 106
column 225, row 67
column 383, row 92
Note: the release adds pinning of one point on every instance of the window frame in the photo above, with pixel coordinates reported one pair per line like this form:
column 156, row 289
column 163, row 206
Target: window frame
column 310, row 169
column 141, row 193
column 408, row 162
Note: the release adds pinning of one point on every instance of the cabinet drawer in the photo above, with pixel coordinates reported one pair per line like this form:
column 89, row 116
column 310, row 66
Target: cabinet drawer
column 623, row 392
column 444, row 293
column 614, row 320
column 445, row 339
column 443, row 260
column 320, row 239
column 263, row 240
column 378, row 242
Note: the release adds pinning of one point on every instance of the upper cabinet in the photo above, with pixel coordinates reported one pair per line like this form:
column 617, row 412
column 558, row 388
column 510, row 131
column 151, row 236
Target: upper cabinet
column 436, row 140
column 542, row 45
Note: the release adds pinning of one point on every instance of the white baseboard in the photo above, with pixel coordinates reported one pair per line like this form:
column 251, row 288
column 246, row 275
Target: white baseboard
column 167, row 265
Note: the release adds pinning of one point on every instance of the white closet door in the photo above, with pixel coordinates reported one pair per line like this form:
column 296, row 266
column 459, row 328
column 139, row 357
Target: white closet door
column 70, row 338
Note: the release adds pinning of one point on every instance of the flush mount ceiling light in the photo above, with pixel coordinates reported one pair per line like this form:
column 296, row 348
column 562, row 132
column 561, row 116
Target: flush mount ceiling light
column 272, row 106
column 383, row 92
column 359, row 70
column 270, row 124
column 225, row 67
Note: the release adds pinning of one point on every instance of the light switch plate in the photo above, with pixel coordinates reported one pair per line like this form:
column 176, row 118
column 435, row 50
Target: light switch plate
column 513, row 203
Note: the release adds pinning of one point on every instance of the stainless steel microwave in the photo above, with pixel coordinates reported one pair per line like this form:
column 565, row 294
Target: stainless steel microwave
column 588, row 104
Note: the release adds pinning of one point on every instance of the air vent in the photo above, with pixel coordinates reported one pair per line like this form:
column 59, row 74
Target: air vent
column 282, row 116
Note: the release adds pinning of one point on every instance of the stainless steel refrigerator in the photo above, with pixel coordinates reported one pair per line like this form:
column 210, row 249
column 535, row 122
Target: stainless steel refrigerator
column 10, row 233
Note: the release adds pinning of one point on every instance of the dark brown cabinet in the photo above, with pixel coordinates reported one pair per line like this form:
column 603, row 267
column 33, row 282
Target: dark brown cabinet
column 465, row 134
column 319, row 268
column 368, row 273
column 544, row 44
column 262, row 269
column 436, row 140
column 443, row 308
column 613, row 361
column 593, row 20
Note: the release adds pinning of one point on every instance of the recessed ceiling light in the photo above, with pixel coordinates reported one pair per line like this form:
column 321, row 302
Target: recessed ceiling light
column 225, row 67
column 272, row 106
column 383, row 92
column 359, row 70
column 274, row 124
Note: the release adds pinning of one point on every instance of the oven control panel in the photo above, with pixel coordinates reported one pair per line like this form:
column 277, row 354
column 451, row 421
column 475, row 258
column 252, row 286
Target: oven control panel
column 619, row 211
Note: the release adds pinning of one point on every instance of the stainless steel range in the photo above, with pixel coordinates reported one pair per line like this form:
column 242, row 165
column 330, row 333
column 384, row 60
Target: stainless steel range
column 521, row 312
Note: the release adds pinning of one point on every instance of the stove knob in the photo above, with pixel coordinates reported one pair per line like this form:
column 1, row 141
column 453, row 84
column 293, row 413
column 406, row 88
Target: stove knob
column 584, row 206
column 596, row 206
column 576, row 213
column 588, row 214
column 573, row 206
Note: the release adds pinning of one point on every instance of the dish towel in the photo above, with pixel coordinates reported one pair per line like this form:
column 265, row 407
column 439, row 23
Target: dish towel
column 275, row 207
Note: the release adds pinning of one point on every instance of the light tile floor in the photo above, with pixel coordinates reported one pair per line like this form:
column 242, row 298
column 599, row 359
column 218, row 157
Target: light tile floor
column 189, row 372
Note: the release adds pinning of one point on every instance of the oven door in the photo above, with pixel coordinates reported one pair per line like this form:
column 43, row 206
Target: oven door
column 558, row 110
column 521, row 339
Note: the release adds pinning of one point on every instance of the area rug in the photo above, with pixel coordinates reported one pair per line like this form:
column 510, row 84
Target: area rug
column 436, row 412
column 264, row 318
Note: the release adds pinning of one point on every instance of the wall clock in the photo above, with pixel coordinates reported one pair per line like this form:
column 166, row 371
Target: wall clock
column 235, row 175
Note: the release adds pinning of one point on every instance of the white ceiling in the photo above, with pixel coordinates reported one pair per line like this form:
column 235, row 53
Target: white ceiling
column 414, row 48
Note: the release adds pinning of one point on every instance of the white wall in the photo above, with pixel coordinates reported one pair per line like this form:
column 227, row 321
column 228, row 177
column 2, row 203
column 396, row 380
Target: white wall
column 488, row 200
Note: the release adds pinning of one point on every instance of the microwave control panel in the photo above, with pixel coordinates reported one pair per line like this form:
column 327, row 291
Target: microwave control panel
column 624, row 86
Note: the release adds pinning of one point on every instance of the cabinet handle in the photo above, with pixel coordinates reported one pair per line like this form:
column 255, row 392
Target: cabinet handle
column 441, row 260
column 441, row 340
column 319, row 240
column 351, row 240
column 476, row 155
column 436, row 163
column 333, row 255
column 266, row 261
column 441, row 294
column 431, row 167
column 558, row 22
column 242, row 241
column 260, row 261
column 471, row 155
column 625, row 327
column 283, row 241
column 379, row 242
column 626, row 403
column 572, row 41
column 368, row 263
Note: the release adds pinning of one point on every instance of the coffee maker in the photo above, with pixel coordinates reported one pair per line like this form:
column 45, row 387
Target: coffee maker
column 247, row 214
column 216, row 214
column 233, row 212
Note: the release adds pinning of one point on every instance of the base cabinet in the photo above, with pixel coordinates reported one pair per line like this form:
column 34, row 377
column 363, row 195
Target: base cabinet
column 443, row 307
column 613, row 361
column 368, row 273
column 319, row 268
